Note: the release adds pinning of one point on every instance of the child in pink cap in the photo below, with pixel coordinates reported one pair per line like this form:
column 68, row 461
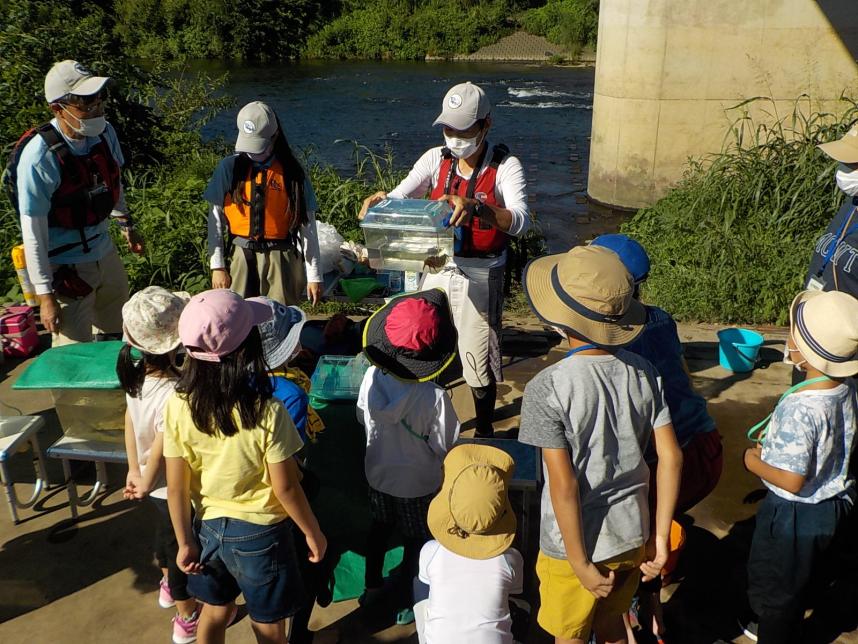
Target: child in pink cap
column 410, row 426
column 229, row 448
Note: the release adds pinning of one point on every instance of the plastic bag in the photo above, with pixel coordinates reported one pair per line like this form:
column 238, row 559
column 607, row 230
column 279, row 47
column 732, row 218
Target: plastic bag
column 329, row 246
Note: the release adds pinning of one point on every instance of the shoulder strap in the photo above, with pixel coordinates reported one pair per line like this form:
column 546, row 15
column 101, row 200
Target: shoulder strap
column 499, row 153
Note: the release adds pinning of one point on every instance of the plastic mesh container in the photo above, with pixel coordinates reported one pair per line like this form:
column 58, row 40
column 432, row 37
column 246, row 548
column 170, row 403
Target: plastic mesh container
column 402, row 234
column 338, row 377
column 85, row 389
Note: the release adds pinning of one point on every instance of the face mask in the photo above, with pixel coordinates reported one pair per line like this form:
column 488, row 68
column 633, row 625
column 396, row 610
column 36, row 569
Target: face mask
column 263, row 156
column 87, row 127
column 463, row 148
column 847, row 180
column 788, row 357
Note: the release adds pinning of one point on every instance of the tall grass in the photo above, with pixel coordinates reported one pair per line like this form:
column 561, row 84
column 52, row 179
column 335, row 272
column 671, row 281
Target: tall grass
column 732, row 241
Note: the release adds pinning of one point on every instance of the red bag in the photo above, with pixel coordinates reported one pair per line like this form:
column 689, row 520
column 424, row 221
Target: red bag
column 18, row 331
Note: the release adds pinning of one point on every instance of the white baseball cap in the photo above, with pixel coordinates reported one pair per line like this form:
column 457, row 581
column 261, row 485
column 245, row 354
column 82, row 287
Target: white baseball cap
column 257, row 127
column 464, row 105
column 70, row 77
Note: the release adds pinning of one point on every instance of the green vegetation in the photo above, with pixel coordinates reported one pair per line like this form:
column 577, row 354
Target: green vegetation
column 409, row 29
column 732, row 241
column 570, row 23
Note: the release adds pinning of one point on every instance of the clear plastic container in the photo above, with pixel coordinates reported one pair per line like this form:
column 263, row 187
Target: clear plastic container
column 338, row 377
column 91, row 414
column 402, row 234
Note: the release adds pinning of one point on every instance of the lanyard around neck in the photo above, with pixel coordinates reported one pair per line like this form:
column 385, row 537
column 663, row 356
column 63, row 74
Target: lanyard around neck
column 583, row 347
column 763, row 425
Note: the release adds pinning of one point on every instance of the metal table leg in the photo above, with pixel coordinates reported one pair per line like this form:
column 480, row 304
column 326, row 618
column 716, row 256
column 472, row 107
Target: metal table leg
column 16, row 504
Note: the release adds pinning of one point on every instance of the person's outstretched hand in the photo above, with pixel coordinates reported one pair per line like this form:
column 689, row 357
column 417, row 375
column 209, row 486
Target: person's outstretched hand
column 370, row 201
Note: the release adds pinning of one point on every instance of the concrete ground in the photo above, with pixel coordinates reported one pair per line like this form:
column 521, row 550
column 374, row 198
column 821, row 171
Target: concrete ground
column 93, row 581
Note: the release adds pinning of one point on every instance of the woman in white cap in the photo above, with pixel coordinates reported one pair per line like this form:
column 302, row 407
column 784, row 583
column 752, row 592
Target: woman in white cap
column 485, row 185
column 802, row 457
column 264, row 198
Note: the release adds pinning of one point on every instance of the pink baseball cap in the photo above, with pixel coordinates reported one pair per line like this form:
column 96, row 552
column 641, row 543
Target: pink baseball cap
column 214, row 323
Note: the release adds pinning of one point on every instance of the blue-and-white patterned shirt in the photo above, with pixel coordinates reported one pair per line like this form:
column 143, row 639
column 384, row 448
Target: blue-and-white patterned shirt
column 812, row 433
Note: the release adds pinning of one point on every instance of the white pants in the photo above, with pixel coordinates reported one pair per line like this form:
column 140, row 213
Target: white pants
column 476, row 299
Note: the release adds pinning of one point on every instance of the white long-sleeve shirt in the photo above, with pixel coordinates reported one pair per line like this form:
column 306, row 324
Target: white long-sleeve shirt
column 510, row 189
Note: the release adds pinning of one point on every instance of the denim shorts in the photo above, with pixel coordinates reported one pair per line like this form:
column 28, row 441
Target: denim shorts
column 258, row 561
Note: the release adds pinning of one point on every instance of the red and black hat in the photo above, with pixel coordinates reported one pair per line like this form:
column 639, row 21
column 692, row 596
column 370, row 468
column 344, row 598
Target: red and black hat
column 412, row 337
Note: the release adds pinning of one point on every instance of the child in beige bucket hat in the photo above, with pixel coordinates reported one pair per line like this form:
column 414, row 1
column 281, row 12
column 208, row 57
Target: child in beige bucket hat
column 803, row 458
column 470, row 569
column 147, row 371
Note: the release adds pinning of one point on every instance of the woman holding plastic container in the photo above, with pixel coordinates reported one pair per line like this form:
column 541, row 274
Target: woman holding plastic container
column 265, row 199
column 486, row 188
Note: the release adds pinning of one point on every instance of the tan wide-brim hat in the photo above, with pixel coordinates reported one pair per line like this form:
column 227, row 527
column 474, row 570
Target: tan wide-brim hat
column 587, row 291
column 824, row 327
column 844, row 149
column 471, row 515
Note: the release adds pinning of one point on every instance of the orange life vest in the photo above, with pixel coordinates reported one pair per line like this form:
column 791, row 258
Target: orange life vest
column 264, row 213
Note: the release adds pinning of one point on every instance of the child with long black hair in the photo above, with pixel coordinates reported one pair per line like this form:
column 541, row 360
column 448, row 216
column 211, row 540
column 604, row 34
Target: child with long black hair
column 267, row 202
column 148, row 374
column 229, row 448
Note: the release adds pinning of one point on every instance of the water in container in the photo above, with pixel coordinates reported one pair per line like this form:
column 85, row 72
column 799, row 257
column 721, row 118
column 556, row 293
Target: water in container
column 408, row 234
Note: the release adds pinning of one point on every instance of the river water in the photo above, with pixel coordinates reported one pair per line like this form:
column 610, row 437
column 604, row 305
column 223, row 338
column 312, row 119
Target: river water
column 542, row 113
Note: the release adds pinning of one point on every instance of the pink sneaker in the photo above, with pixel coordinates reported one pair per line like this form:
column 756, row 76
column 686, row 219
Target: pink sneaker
column 165, row 599
column 185, row 630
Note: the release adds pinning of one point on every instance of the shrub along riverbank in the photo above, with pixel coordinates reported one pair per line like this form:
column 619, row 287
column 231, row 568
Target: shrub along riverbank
column 732, row 241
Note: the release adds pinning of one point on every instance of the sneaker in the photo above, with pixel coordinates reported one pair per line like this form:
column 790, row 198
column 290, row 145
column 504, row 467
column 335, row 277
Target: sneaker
column 405, row 616
column 185, row 630
column 750, row 630
column 165, row 599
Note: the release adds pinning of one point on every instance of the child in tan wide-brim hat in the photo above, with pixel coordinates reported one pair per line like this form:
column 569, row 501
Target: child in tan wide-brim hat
column 470, row 569
column 803, row 459
column 593, row 414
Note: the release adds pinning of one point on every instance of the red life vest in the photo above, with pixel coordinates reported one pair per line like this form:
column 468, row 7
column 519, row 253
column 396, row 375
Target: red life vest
column 479, row 239
column 89, row 185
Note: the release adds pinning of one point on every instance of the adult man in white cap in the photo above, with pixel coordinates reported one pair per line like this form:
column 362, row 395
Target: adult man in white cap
column 486, row 187
column 833, row 265
column 264, row 197
column 68, row 185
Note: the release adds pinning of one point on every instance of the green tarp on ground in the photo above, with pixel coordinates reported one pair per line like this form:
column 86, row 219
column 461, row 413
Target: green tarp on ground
column 89, row 365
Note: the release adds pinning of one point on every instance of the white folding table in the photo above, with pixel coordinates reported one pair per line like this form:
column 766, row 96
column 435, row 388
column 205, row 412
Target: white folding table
column 15, row 432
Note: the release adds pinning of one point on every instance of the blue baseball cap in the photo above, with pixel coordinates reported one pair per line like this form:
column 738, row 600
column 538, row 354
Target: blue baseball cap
column 631, row 253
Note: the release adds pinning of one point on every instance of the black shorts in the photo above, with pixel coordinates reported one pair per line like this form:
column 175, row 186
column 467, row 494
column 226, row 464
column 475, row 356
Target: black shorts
column 408, row 514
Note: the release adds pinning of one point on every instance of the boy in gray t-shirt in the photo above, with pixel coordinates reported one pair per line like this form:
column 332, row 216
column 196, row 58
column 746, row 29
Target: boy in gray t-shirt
column 593, row 415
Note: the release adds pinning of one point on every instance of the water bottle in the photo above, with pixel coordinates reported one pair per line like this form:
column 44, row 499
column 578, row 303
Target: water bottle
column 19, row 260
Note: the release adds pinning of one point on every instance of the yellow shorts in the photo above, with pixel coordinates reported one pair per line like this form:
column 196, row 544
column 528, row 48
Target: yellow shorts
column 568, row 609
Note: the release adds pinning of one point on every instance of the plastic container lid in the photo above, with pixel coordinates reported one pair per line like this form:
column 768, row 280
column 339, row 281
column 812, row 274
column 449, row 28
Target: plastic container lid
column 408, row 214
column 88, row 365
column 338, row 377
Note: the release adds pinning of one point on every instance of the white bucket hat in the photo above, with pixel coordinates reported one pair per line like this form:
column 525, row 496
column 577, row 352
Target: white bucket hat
column 150, row 319
column 824, row 327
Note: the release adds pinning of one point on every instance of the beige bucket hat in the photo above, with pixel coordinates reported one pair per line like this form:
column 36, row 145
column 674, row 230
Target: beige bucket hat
column 150, row 319
column 471, row 515
column 587, row 291
column 824, row 327
column 844, row 149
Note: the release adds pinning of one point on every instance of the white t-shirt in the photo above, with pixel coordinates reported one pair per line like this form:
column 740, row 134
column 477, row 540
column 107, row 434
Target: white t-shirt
column 469, row 598
column 510, row 189
column 147, row 418
column 410, row 427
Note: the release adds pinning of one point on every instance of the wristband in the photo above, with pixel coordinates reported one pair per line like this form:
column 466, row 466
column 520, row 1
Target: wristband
column 125, row 223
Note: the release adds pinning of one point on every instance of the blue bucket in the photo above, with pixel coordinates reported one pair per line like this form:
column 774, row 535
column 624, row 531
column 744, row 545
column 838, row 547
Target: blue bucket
column 738, row 349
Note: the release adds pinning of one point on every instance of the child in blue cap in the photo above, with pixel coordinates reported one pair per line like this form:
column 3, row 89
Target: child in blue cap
column 695, row 429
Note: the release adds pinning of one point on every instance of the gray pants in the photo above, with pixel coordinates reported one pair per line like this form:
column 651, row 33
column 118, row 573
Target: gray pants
column 278, row 274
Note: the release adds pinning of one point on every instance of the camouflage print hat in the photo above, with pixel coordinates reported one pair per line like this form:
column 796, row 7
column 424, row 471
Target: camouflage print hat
column 150, row 319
